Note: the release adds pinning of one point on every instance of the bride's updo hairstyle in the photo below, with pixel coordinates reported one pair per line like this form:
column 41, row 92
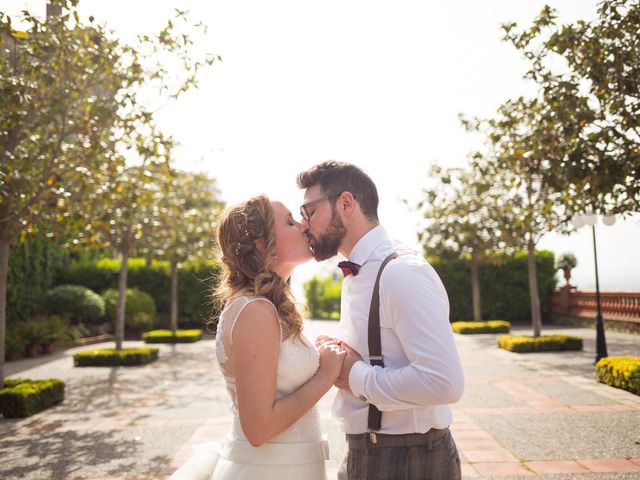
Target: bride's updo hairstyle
column 247, row 268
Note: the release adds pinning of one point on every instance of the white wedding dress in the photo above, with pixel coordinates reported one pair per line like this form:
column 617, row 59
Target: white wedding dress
column 297, row 453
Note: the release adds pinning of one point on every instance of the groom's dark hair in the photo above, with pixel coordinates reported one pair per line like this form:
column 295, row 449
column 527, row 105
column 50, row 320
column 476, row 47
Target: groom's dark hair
column 337, row 177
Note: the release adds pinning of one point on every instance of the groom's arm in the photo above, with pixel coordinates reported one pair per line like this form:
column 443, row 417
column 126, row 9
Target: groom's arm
column 415, row 301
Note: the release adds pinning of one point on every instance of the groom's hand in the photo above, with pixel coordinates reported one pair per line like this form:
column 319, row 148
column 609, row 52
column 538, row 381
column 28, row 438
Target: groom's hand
column 352, row 357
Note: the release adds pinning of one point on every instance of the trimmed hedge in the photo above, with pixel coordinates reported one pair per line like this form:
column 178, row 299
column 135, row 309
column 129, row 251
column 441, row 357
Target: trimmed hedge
column 490, row 326
column 504, row 286
column 110, row 357
column 323, row 297
column 140, row 309
column 76, row 303
column 23, row 398
column 620, row 372
column 545, row 343
column 33, row 265
column 196, row 281
column 167, row 336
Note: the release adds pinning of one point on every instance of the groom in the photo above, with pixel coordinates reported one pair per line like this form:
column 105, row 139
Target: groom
column 422, row 373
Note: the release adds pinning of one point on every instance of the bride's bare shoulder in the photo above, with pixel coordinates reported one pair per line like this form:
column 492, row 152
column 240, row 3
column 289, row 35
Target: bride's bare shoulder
column 258, row 318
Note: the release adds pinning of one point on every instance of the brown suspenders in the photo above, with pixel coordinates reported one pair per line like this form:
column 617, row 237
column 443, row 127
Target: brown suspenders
column 375, row 343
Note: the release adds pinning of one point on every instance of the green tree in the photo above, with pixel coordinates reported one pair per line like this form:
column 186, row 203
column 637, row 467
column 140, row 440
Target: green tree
column 70, row 110
column 459, row 219
column 575, row 146
column 57, row 109
column 184, row 225
column 589, row 79
column 522, row 140
column 121, row 212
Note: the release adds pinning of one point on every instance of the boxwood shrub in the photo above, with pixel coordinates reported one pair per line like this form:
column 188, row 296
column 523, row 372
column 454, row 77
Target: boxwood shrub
column 490, row 326
column 75, row 302
column 140, row 308
column 545, row 343
column 110, row 357
column 620, row 372
column 167, row 336
column 23, row 398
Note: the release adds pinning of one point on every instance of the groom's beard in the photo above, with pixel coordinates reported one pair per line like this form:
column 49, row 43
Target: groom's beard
column 327, row 244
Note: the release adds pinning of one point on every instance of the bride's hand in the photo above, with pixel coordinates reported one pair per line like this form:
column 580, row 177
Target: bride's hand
column 325, row 339
column 331, row 357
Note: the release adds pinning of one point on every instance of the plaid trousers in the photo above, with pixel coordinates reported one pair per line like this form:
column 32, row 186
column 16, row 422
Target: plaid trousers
column 415, row 456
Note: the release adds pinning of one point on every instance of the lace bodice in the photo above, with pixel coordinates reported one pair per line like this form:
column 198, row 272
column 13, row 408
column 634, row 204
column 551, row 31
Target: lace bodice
column 297, row 362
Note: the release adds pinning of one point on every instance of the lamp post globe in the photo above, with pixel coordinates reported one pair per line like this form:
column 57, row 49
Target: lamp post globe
column 590, row 218
column 577, row 221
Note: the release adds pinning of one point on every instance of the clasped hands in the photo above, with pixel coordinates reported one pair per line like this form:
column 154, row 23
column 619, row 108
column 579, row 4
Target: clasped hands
column 350, row 358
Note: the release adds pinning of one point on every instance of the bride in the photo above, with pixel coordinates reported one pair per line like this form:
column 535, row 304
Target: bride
column 273, row 374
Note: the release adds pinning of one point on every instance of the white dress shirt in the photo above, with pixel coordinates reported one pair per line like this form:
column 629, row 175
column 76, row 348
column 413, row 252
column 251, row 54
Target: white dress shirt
column 422, row 372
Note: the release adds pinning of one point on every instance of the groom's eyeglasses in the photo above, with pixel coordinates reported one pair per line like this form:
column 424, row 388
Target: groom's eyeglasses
column 303, row 209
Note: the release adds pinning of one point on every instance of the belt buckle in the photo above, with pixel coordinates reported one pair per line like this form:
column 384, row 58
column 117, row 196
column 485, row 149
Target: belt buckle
column 373, row 437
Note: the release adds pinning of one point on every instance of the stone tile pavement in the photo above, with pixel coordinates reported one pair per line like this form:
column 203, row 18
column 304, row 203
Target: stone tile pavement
column 522, row 416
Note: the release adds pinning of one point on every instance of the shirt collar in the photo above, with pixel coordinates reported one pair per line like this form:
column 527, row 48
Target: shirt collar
column 364, row 247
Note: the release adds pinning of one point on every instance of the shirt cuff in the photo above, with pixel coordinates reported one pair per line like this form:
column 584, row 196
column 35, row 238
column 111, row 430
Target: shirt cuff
column 357, row 377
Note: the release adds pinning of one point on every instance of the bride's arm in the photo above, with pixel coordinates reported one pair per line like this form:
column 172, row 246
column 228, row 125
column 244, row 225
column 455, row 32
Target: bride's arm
column 256, row 347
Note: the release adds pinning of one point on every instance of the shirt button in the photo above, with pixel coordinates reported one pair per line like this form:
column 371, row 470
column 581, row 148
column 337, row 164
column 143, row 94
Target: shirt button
column 363, row 398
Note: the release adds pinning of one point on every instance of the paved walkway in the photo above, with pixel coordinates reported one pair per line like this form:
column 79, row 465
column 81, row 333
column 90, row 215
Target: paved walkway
column 522, row 416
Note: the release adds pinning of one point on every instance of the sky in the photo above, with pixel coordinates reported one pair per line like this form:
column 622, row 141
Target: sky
column 376, row 83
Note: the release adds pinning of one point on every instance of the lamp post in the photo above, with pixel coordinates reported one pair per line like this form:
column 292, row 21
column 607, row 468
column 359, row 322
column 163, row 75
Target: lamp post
column 590, row 219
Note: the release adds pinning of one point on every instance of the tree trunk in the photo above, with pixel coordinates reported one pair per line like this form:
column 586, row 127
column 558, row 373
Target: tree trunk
column 122, row 296
column 475, row 287
column 4, row 271
column 174, row 296
column 533, row 289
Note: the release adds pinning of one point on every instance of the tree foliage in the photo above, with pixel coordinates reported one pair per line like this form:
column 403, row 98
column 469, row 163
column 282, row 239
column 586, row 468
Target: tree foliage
column 458, row 214
column 185, row 215
column 588, row 75
column 76, row 134
column 57, row 111
column 516, row 163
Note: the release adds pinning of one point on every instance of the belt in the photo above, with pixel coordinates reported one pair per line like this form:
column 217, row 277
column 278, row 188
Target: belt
column 375, row 439
column 275, row 453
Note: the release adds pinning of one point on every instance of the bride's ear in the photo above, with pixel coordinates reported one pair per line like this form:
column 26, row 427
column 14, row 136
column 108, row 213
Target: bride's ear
column 260, row 246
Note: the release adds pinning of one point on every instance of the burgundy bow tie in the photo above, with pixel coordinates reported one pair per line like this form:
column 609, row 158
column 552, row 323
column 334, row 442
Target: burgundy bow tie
column 349, row 268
